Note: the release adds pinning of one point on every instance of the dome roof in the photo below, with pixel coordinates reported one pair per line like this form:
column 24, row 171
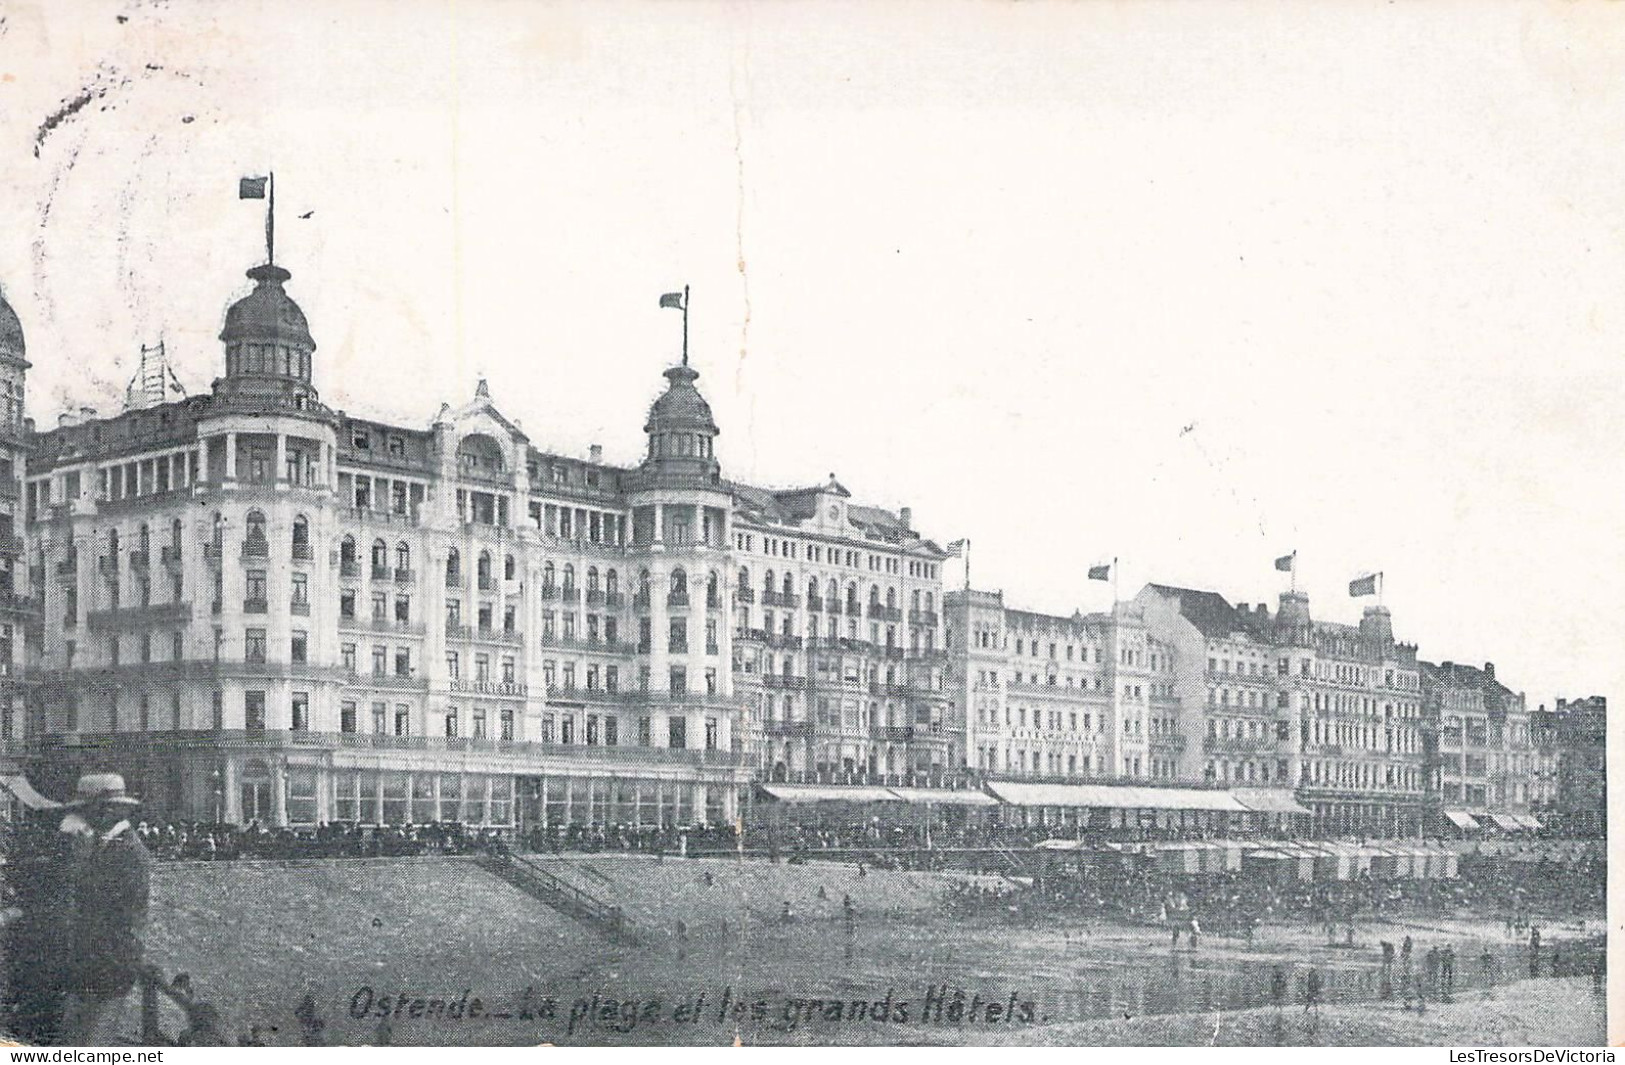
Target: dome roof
column 267, row 313
column 681, row 406
column 11, row 330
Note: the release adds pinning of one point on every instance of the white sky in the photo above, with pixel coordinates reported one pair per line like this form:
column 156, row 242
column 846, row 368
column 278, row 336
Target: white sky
column 984, row 259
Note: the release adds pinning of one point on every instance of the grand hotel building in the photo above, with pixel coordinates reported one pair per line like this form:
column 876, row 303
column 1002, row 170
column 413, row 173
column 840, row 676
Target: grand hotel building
column 261, row 609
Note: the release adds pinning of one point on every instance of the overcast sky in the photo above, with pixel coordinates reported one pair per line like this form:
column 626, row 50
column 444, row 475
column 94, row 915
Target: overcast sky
column 1188, row 285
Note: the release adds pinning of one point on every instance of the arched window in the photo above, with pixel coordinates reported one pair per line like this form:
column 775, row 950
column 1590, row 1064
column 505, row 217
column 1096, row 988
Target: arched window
column 851, row 597
column 679, row 581
column 891, row 598
column 569, row 577
column 833, row 592
column 507, row 568
column 146, row 538
column 403, row 556
column 643, row 583
column 713, row 587
column 485, row 569
column 611, row 582
column 256, row 527
column 914, row 600
column 812, row 588
column 930, row 601
column 789, row 587
column 380, row 554
column 744, row 577
column 767, row 582
column 454, row 569
column 175, row 532
column 548, row 575
column 112, row 541
column 347, row 549
column 874, row 595
column 301, row 537
column 592, row 580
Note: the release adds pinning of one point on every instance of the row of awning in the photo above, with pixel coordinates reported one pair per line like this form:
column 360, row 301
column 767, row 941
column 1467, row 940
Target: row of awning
column 1477, row 818
column 1066, row 796
column 812, row 793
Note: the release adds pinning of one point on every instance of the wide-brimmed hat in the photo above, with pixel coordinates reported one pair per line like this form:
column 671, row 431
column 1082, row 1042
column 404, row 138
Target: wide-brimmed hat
column 102, row 788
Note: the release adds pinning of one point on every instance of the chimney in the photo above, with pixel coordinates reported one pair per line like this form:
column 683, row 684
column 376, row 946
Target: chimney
column 86, row 413
column 1489, row 670
column 906, row 516
column 1264, row 610
column 1243, row 609
column 1447, row 664
column 66, row 420
column 595, row 454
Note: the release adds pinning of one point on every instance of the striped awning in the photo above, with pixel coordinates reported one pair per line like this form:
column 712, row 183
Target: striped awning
column 1461, row 818
column 803, row 793
column 1269, row 801
column 944, row 796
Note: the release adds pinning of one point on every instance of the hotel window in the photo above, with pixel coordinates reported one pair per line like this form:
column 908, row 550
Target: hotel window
column 380, row 660
column 254, row 711
column 300, row 713
column 403, row 662
column 380, row 606
column 479, row 723
column 347, row 716
column 482, row 668
column 301, row 588
column 454, row 613
column 379, row 714
column 298, row 648
column 254, row 646
column 347, row 605
column 403, row 720
column 677, row 733
column 505, row 722
column 347, row 657
column 403, row 609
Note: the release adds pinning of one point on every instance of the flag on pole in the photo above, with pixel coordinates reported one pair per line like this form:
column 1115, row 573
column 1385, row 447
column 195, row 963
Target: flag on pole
column 1102, row 572
column 957, row 548
column 672, row 299
column 1366, row 585
column 1285, row 562
column 251, row 188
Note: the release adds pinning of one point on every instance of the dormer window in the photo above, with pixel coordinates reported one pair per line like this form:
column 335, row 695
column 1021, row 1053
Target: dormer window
column 361, row 439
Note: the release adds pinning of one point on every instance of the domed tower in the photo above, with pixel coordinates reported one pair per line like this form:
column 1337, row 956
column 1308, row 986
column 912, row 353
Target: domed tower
column 268, row 344
column 13, row 372
column 682, row 434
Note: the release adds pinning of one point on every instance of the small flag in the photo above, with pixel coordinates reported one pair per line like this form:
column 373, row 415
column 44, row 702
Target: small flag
column 957, row 548
column 1101, row 572
column 1366, row 585
column 1284, row 563
column 672, row 299
column 251, row 188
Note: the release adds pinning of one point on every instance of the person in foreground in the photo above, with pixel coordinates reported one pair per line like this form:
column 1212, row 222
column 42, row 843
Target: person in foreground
column 110, row 871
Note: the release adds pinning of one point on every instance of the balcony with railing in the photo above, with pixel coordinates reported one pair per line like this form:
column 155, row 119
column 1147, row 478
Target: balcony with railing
column 405, row 575
column 780, row 599
column 878, row 612
column 784, row 682
column 1240, row 745
column 68, row 567
column 773, row 727
column 893, row 733
column 614, row 600
column 162, row 614
column 745, row 595
column 139, row 560
column 783, row 641
column 550, row 593
column 171, row 554
column 11, row 545
column 677, row 647
column 381, row 573
column 303, row 552
column 496, row 689
column 815, row 603
column 640, row 602
column 300, row 608
column 256, row 549
column 677, row 599
column 1168, row 741
column 213, row 552
column 487, row 583
column 570, row 594
column 349, row 567
column 595, row 597
column 925, row 618
column 254, row 606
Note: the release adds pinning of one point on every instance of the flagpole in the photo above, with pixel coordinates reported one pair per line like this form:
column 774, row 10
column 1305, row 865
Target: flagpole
column 1114, row 585
column 1294, row 571
column 685, row 325
column 967, row 565
column 270, row 219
